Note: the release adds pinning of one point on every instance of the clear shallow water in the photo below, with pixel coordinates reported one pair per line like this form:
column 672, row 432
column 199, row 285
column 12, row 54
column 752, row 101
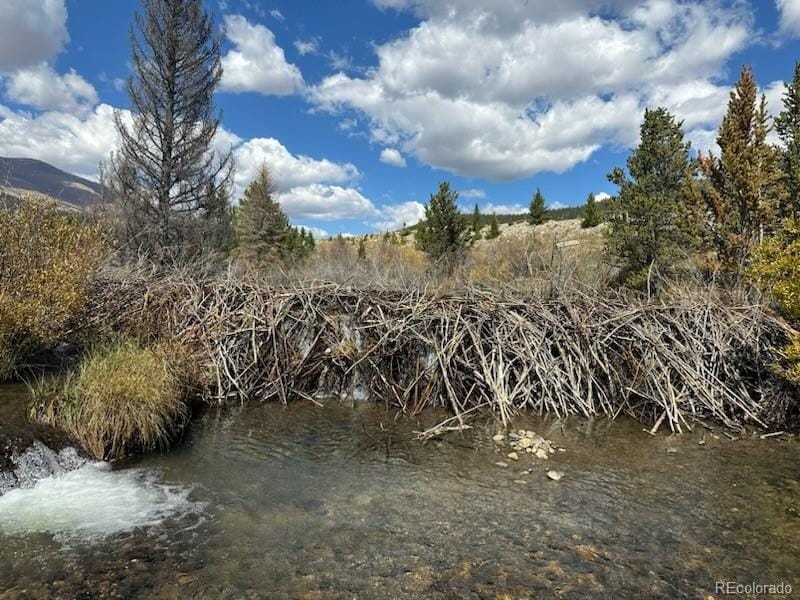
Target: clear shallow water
column 339, row 503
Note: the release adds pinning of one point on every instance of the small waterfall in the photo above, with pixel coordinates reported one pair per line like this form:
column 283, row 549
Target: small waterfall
column 73, row 498
column 37, row 463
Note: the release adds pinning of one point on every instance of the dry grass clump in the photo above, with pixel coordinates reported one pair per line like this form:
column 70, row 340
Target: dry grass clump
column 545, row 256
column 122, row 398
column 47, row 260
column 392, row 262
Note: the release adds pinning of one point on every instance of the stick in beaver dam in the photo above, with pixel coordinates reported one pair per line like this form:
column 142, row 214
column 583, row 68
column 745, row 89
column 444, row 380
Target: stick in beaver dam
column 695, row 356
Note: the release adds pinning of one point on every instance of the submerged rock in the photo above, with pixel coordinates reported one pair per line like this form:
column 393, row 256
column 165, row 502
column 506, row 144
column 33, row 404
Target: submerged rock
column 555, row 475
column 531, row 443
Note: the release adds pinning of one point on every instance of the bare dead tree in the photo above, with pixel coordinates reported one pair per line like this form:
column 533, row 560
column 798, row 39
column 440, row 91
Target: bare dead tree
column 166, row 166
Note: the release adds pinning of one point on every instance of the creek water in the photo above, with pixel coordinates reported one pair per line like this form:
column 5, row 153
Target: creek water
column 264, row 501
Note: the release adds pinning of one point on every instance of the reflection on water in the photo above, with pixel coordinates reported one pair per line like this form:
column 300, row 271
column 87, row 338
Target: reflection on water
column 337, row 502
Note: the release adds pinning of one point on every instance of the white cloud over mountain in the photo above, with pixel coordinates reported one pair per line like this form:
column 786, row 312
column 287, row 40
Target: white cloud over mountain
column 72, row 142
column 42, row 88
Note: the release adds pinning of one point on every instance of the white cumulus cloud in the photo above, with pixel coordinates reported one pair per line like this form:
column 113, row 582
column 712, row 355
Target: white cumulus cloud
column 396, row 216
column 326, row 203
column 472, row 193
column 31, row 31
column 42, row 88
column 309, row 188
column 257, row 63
column 503, row 90
column 288, row 170
column 392, row 157
column 789, row 11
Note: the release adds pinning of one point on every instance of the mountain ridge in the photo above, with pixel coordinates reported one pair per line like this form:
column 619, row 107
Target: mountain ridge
column 31, row 175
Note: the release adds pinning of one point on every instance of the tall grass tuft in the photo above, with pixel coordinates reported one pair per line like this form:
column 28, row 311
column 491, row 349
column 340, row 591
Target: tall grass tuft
column 122, row 398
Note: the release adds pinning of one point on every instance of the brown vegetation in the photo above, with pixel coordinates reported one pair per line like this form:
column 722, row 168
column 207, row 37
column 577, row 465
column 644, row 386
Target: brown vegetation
column 693, row 355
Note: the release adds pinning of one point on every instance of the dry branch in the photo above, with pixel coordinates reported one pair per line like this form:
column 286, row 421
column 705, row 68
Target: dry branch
column 697, row 357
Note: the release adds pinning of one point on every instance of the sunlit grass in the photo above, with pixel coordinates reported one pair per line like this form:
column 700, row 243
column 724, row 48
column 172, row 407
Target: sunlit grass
column 122, row 398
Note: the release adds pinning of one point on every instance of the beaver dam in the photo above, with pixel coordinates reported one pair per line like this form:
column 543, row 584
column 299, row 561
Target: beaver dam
column 690, row 356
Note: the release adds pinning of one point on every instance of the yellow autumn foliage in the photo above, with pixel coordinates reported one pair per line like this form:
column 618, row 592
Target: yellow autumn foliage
column 47, row 260
column 776, row 266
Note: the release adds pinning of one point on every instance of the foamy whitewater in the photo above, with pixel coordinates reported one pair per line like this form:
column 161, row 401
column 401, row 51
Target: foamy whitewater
column 91, row 502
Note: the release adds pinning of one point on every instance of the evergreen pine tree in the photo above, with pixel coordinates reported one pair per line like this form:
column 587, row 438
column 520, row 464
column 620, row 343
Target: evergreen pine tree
column 443, row 234
column 745, row 189
column 644, row 228
column 216, row 223
column 362, row 249
column 476, row 225
column 494, row 228
column 591, row 213
column 537, row 213
column 420, row 233
column 311, row 244
column 263, row 235
column 787, row 124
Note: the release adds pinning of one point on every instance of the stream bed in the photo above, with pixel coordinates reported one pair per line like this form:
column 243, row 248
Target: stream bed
column 265, row 501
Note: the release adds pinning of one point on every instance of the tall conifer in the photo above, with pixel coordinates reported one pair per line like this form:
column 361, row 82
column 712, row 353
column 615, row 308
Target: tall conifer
column 787, row 124
column 645, row 231
column 745, row 189
column 537, row 213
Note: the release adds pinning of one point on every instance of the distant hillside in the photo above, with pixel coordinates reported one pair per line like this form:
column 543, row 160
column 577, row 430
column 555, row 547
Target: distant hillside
column 568, row 213
column 36, row 176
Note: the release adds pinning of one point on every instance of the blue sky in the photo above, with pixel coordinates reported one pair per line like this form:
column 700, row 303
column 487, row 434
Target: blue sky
column 360, row 107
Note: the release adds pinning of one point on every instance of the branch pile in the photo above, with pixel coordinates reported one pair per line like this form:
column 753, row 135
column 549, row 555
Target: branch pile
column 576, row 354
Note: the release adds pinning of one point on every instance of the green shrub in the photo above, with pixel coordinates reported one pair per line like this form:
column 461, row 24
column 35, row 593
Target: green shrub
column 47, row 260
column 122, row 398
